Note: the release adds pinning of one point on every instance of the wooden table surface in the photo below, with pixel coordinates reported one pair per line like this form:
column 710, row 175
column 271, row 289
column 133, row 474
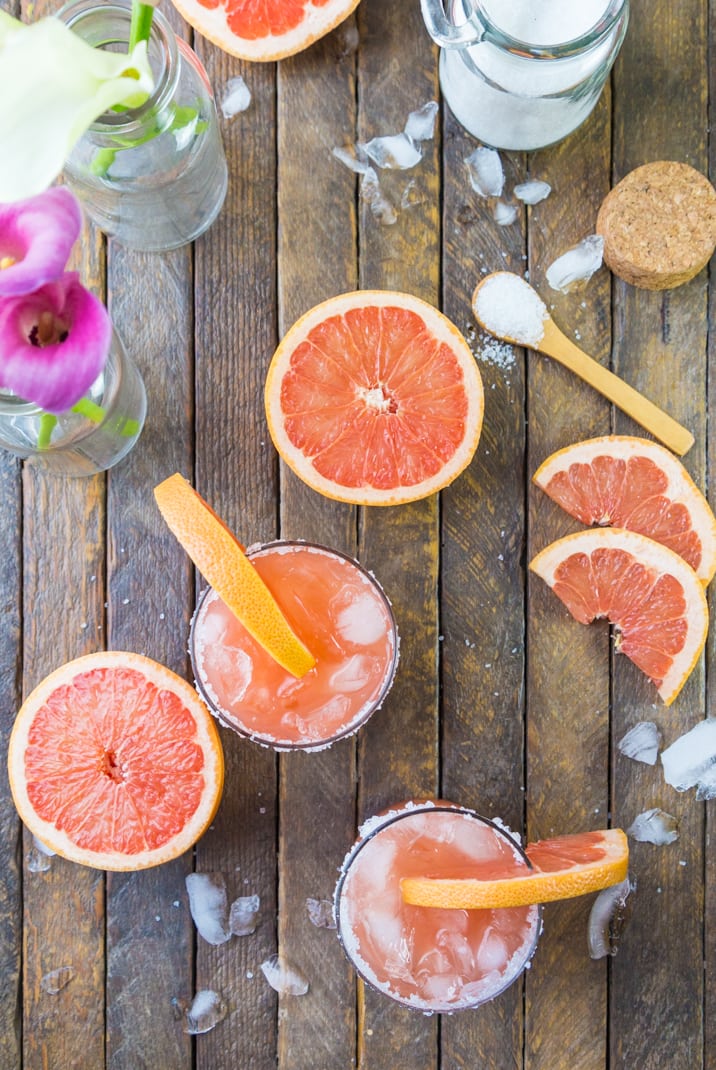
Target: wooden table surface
column 502, row 701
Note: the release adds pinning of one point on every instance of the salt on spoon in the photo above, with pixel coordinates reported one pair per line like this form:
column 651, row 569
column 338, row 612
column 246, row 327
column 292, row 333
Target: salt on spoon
column 510, row 309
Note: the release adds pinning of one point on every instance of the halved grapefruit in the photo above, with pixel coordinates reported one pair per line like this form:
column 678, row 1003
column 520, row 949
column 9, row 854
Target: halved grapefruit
column 629, row 482
column 652, row 597
column 115, row 762
column 374, row 398
column 264, row 29
column 563, row 867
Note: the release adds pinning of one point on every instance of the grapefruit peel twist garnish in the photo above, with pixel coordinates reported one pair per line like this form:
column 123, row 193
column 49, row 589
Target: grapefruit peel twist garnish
column 563, row 877
column 221, row 559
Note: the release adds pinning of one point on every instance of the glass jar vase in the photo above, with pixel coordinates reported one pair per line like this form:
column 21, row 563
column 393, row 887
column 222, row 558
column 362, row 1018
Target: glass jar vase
column 92, row 436
column 154, row 177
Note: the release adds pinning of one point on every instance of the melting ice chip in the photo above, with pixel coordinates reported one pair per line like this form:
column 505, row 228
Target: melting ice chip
column 691, row 760
column 284, row 978
column 207, row 1010
column 361, row 621
column 654, row 826
column 237, row 97
column 320, row 913
column 504, row 214
column 353, row 163
column 484, row 167
column 577, row 265
column 209, row 906
column 397, row 152
column 641, row 742
column 56, row 980
column 532, row 192
column 373, row 195
column 38, row 857
column 420, row 124
column 609, row 914
column 243, row 915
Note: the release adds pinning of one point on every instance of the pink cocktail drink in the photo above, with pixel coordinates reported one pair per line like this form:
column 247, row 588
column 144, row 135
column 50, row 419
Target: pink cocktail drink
column 423, row 957
column 340, row 613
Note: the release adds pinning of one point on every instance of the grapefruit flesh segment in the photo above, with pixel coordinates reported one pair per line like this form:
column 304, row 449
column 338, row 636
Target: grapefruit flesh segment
column 562, row 868
column 221, row 560
column 654, row 599
column 264, row 30
column 375, row 398
column 633, row 483
column 115, row 762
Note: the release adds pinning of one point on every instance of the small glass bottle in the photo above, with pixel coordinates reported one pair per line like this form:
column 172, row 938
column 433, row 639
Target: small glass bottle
column 89, row 438
column 154, row 177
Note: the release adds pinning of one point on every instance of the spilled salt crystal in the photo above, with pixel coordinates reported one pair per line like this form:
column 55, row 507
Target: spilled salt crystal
column 507, row 306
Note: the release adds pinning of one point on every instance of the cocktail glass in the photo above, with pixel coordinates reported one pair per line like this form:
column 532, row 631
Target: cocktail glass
column 339, row 610
column 422, row 957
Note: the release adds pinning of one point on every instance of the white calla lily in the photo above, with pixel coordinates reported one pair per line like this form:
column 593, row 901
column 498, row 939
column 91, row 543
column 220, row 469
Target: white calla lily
column 53, row 86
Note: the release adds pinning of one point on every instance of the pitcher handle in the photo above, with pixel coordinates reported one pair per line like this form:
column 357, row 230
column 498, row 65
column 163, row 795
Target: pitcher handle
column 444, row 32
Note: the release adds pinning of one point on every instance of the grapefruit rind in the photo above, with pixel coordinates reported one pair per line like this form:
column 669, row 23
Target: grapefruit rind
column 680, row 487
column 207, row 738
column 443, row 330
column 534, row 887
column 221, row 560
column 652, row 555
column 212, row 23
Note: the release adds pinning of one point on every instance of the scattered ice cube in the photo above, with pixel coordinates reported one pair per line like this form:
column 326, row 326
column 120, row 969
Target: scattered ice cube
column 38, row 857
column 706, row 788
column 420, row 124
column 504, row 214
column 320, row 913
column 609, row 914
column 411, row 195
column 237, row 97
column 654, row 826
column 284, row 978
column 486, row 174
column 373, row 195
column 206, row 1011
column 532, row 191
column 577, row 265
column 243, row 915
column 353, row 163
column 397, row 152
column 691, row 760
column 56, row 980
column 209, row 906
column 641, row 742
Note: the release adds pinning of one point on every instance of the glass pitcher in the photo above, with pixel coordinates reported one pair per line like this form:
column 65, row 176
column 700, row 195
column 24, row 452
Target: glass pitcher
column 525, row 74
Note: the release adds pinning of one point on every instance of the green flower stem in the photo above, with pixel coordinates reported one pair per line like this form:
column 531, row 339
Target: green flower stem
column 141, row 24
column 47, row 426
column 89, row 409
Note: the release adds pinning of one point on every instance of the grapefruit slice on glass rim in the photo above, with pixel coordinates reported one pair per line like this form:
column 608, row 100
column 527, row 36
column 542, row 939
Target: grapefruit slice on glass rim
column 562, row 868
column 265, row 31
column 115, row 762
column 374, row 398
column 653, row 598
column 629, row 482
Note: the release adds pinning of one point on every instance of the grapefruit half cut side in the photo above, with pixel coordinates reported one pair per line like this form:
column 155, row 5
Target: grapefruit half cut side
column 562, row 868
column 374, row 398
column 115, row 762
column 653, row 598
column 267, row 30
column 629, row 482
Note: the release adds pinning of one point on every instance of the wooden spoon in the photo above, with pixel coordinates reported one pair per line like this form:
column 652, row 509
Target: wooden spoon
column 556, row 345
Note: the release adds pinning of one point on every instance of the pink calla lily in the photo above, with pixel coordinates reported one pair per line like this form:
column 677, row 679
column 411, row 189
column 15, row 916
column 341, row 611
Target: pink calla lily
column 53, row 343
column 36, row 236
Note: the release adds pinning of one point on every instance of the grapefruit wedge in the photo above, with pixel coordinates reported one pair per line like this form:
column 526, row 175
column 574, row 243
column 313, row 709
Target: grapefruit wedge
column 220, row 558
column 630, row 482
column 374, row 398
column 115, row 762
column 653, row 598
column 563, row 867
column 264, row 30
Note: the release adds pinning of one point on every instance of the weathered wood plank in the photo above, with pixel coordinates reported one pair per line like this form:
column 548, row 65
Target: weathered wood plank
column 482, row 586
column 235, row 300
column 317, row 258
column 568, row 665
column 657, row 989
